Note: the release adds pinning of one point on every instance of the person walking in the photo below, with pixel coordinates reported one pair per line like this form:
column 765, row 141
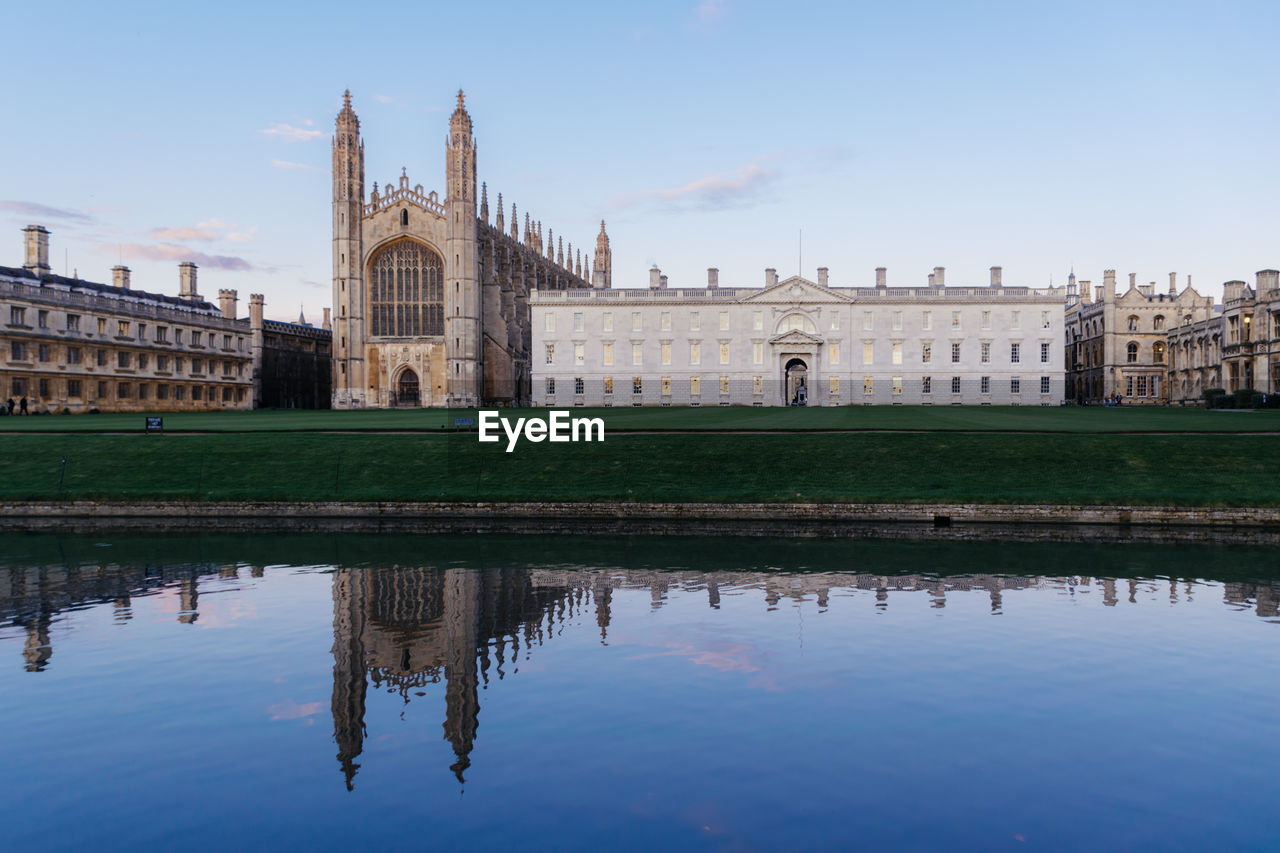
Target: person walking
column 22, row 407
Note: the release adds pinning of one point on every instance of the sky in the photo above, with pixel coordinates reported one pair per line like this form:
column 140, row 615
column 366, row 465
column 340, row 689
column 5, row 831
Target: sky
column 1041, row 137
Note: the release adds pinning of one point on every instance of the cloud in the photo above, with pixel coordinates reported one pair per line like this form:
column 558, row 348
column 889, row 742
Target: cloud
column 196, row 233
column 175, row 252
column 312, row 284
column 245, row 236
column 289, row 165
column 720, row 191
column 710, row 11
column 29, row 208
column 383, row 99
column 289, row 133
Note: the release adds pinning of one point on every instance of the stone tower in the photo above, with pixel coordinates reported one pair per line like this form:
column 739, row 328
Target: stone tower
column 462, row 291
column 348, row 254
column 602, row 271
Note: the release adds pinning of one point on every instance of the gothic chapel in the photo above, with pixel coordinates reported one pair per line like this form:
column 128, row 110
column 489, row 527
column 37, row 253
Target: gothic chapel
column 430, row 299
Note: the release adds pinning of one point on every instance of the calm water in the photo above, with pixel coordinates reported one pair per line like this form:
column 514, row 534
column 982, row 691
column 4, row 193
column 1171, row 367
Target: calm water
column 486, row 693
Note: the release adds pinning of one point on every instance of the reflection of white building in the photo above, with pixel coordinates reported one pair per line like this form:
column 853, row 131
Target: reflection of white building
column 798, row 340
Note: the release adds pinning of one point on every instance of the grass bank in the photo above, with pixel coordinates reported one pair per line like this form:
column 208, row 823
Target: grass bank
column 1088, row 469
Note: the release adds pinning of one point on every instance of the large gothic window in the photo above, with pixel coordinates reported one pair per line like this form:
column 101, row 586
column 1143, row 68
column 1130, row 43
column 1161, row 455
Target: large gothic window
column 406, row 289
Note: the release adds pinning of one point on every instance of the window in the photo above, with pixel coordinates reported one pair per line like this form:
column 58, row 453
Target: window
column 796, row 321
column 1155, row 386
column 162, row 334
column 868, row 352
column 986, row 319
column 548, row 322
column 74, row 388
column 608, row 321
column 162, row 392
column 955, row 319
column 926, row 321
column 73, row 355
column 724, row 353
column 102, row 358
column 577, row 321
column 18, row 387
column 984, row 385
column 636, row 387
column 897, row 321
column 757, row 384
column 17, row 316
column 1015, row 353
column 177, row 367
column 579, row 353
column 1044, row 319
column 1015, row 319
column 122, row 328
column 226, row 368
column 122, row 359
column 180, row 392
column 1128, row 386
column 1142, row 386
column 695, row 386
column 1157, row 352
column 724, row 384
column 102, row 391
column 695, row 321
column 637, row 324
column 162, row 362
column 757, row 353
column 406, row 291
column 757, row 320
column 926, row 384
column 868, row 321
column 665, row 350
column 551, row 386
column 1015, row 385
column 1044, row 384
column 897, row 385
column 637, row 353
column 835, row 322
column 1133, row 322
column 124, row 390
column 42, row 389
column 142, row 392
column 724, row 321
column 664, row 321
column 1044, row 353
column 985, row 357
column 608, row 354
column 955, row 353
column 897, row 353
column 177, row 339
column 833, row 354
column 197, row 366
column 926, row 353
column 142, row 361
column 73, row 322
column 1159, row 322
column 666, row 386
column 102, row 328
column 195, row 341
column 834, row 388
column 867, row 385
column 955, row 384
column 551, row 354
column 42, row 320
column 226, row 339
column 695, row 353
column 608, row 385
column 42, row 354
column 1132, row 352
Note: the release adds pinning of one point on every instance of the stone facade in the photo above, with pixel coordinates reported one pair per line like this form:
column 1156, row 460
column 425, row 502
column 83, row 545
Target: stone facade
column 1250, row 334
column 430, row 299
column 798, row 342
column 1118, row 343
column 72, row 345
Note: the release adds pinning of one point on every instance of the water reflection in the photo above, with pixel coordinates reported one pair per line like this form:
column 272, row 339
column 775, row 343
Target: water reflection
column 455, row 625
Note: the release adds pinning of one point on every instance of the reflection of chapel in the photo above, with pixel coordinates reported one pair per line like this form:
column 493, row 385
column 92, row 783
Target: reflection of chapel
column 431, row 300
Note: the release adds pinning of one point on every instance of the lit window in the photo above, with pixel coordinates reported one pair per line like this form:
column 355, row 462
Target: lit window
column 666, row 385
column 724, row 384
column 695, row 353
column 637, row 354
column 796, row 321
column 897, row 384
column 868, row 320
column 636, row 386
column 833, row 354
column 665, row 350
column 868, row 352
column 757, row 353
column 608, row 385
column 926, row 384
column 897, row 353
column 834, row 386
column 695, row 385
column 757, row 384
column 608, row 354
column 724, row 353
column 122, row 329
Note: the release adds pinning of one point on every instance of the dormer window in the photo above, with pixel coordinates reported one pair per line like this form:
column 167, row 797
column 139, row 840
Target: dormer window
column 404, row 218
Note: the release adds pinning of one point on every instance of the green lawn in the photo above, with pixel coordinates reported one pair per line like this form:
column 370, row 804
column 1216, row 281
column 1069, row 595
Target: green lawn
column 938, row 418
column 1234, row 470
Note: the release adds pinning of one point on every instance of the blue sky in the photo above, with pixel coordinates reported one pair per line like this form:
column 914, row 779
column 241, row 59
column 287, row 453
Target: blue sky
column 1036, row 136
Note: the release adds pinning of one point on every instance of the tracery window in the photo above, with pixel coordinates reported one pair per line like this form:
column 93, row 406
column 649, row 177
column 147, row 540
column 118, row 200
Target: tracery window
column 406, row 287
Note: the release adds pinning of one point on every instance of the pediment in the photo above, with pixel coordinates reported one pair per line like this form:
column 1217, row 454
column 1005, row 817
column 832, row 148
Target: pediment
column 796, row 337
column 795, row 290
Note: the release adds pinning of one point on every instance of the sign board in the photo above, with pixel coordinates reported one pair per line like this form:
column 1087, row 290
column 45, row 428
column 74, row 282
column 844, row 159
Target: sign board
column 459, row 423
column 155, row 423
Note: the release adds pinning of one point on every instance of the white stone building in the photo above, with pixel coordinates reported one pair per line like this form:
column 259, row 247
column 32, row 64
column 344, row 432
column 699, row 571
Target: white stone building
column 798, row 341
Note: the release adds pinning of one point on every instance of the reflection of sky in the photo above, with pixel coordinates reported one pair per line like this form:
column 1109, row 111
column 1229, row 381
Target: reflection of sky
column 883, row 723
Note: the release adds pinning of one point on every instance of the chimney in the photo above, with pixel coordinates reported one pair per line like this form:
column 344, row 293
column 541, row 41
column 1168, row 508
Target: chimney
column 933, row 277
column 662, row 283
column 1268, row 280
column 1173, row 284
column 1108, row 283
column 881, row 272
column 1101, row 294
column 37, row 246
column 1086, row 290
column 939, row 278
column 227, row 303
column 327, row 325
column 770, row 277
column 187, row 282
column 120, row 277
column 822, row 277
column 997, row 274
column 1232, row 291
column 1148, row 289
column 655, row 277
column 1133, row 280
column 713, row 277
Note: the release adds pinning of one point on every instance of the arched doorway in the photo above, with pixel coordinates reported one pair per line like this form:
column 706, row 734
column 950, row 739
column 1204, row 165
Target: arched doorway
column 796, row 385
column 407, row 389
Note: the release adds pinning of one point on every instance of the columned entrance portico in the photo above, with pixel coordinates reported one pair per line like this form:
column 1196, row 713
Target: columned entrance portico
column 796, row 390
column 796, row 354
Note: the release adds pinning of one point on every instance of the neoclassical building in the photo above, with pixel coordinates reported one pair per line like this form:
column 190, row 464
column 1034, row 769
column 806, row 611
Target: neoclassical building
column 430, row 299
column 1117, row 343
column 797, row 341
